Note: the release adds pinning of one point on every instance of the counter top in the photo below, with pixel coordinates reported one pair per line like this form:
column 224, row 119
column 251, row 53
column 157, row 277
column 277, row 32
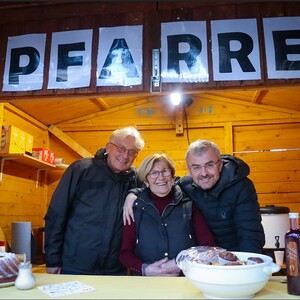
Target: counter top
column 133, row 287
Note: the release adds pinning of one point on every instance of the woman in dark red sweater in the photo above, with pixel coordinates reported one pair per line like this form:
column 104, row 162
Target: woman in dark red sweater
column 166, row 222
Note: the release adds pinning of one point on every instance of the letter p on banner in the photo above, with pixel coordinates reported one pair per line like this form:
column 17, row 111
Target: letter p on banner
column 24, row 64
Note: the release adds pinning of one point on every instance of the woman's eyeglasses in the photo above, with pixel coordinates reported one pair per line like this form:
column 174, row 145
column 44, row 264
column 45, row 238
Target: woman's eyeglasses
column 164, row 172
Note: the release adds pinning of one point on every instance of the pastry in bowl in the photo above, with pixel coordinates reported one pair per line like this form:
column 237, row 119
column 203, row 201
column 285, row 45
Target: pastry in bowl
column 9, row 267
column 240, row 281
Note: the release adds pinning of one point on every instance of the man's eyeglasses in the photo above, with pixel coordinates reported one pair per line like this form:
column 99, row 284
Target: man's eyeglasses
column 164, row 172
column 122, row 149
column 208, row 166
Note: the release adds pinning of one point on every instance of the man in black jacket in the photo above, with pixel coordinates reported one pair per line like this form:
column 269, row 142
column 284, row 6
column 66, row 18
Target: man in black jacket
column 83, row 224
column 227, row 198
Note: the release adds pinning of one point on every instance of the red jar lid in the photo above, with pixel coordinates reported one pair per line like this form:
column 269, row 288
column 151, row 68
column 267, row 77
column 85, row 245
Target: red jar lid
column 2, row 243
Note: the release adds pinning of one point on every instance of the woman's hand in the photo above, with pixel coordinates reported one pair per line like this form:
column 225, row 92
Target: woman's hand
column 171, row 267
column 163, row 267
column 128, row 209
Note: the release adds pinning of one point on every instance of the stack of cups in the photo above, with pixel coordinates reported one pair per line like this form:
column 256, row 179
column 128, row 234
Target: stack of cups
column 279, row 257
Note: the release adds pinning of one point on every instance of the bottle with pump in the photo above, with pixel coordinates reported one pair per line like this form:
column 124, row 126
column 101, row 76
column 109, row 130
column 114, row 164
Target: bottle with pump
column 292, row 248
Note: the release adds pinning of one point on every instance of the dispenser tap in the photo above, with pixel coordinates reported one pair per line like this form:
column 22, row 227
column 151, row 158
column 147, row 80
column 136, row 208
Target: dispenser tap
column 277, row 244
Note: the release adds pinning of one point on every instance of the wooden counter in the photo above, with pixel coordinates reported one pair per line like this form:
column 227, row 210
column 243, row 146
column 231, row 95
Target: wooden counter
column 133, row 287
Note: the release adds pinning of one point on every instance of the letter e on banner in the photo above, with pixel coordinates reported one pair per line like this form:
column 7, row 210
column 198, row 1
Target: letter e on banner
column 282, row 39
column 24, row 64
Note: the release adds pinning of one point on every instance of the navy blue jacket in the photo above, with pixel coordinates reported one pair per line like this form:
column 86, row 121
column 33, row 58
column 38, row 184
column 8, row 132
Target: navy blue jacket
column 154, row 231
column 230, row 208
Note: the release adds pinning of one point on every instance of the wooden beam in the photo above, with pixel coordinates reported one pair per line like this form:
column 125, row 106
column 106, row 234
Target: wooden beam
column 1, row 115
column 258, row 96
column 179, row 120
column 228, row 141
column 101, row 103
column 24, row 115
column 69, row 141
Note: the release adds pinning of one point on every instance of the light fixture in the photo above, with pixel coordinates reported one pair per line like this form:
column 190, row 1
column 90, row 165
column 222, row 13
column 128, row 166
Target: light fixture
column 187, row 101
column 175, row 98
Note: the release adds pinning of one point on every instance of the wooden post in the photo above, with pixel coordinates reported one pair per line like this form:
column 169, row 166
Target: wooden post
column 179, row 120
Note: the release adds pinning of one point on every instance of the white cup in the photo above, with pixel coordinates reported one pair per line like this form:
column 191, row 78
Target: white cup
column 279, row 257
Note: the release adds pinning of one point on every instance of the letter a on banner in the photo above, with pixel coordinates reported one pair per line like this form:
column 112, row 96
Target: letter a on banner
column 24, row 64
column 120, row 56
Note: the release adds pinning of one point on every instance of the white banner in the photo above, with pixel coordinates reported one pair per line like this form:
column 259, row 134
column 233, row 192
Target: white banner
column 236, row 54
column 282, row 42
column 120, row 59
column 71, row 59
column 235, row 50
column 184, row 52
column 24, row 63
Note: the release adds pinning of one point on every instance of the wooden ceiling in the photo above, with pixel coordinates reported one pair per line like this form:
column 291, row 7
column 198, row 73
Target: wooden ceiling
column 58, row 111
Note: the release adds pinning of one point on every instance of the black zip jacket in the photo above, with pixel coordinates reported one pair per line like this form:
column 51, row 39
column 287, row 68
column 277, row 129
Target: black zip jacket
column 83, row 224
column 230, row 208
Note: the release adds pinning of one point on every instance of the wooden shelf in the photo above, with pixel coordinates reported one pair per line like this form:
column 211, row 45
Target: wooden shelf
column 28, row 160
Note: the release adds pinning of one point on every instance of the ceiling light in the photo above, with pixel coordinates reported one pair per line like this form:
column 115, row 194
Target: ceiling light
column 175, row 98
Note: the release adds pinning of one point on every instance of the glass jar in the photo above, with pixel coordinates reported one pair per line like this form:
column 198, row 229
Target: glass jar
column 25, row 279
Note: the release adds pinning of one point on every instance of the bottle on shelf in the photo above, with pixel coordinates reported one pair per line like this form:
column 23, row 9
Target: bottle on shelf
column 2, row 246
column 292, row 252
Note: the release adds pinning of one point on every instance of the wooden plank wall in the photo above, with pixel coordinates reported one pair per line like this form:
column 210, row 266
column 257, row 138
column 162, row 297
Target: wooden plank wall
column 247, row 131
column 21, row 200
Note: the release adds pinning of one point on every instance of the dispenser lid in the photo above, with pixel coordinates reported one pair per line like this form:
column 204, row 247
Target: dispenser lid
column 272, row 209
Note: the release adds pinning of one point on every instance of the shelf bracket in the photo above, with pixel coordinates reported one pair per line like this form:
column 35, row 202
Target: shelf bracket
column 38, row 176
column 3, row 160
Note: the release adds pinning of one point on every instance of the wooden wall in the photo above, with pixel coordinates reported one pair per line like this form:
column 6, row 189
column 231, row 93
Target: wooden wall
column 23, row 188
column 247, row 131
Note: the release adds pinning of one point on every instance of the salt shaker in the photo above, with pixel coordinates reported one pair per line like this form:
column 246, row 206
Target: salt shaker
column 25, row 279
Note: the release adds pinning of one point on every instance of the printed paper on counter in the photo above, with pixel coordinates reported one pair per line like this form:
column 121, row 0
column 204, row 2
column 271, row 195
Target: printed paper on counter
column 66, row 288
